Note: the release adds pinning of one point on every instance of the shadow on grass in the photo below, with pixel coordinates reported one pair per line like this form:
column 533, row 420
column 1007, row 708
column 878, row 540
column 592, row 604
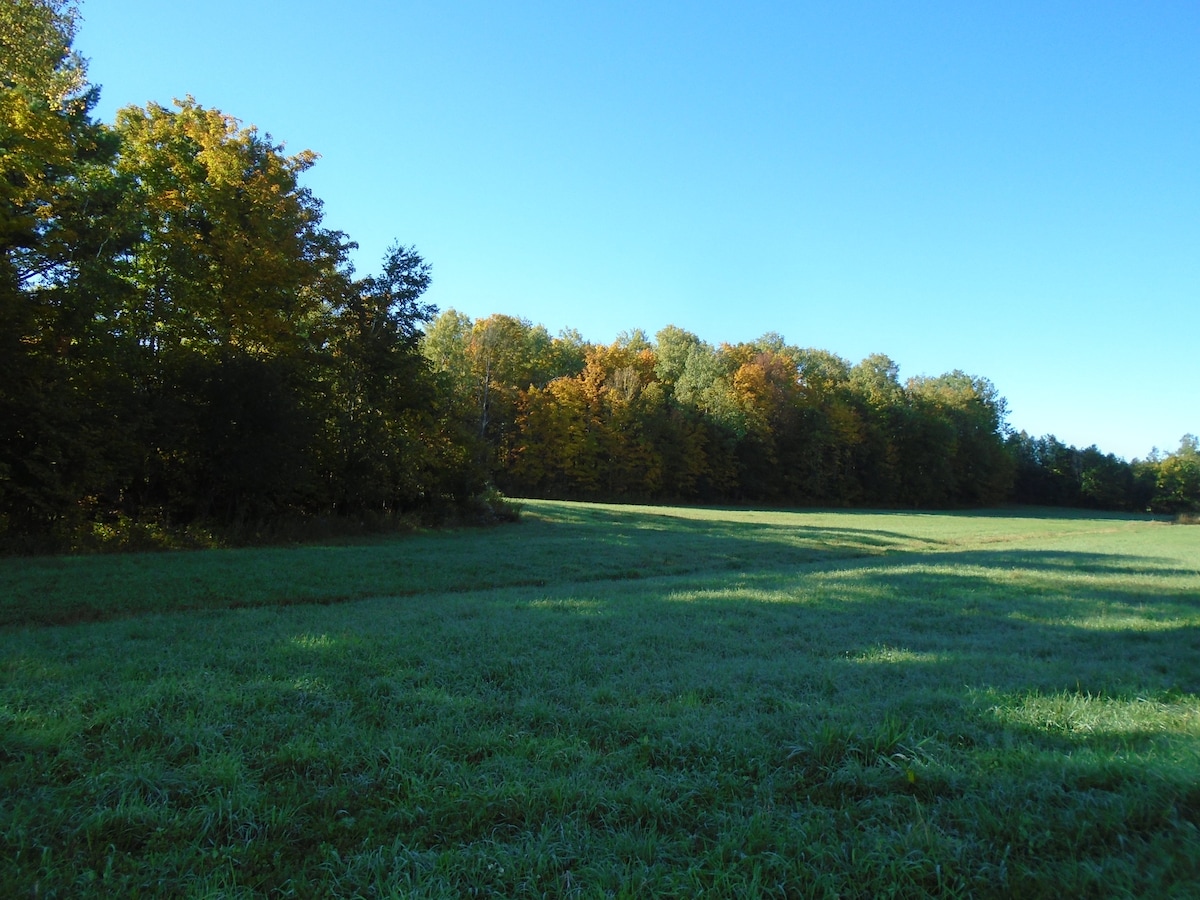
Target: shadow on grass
column 558, row 543
column 740, row 525
column 567, row 545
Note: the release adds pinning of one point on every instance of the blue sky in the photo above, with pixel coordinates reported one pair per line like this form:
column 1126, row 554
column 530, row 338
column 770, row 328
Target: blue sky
column 1011, row 189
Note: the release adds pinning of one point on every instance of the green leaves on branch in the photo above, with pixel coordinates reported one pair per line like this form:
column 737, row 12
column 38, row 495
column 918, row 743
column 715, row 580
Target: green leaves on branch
column 44, row 103
column 230, row 252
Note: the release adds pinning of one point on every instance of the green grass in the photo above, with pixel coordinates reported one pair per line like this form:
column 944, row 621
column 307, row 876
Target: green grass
column 614, row 701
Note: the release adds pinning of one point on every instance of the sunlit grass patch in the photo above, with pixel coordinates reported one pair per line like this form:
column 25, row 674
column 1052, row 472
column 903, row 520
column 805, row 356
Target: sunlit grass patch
column 1122, row 618
column 314, row 641
column 897, row 656
column 1085, row 715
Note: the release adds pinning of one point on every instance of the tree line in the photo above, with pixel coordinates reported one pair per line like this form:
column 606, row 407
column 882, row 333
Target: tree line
column 676, row 418
column 182, row 340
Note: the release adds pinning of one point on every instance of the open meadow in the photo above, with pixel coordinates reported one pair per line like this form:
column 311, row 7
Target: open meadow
column 614, row 701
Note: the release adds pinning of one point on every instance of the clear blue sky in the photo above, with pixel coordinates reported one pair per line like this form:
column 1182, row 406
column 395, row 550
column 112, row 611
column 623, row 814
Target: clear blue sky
column 1011, row 189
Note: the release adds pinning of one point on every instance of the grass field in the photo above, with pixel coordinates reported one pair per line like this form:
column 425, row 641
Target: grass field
column 613, row 701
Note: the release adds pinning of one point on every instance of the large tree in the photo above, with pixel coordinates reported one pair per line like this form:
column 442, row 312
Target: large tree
column 228, row 291
column 50, row 242
column 45, row 128
column 1178, row 488
column 955, row 441
column 232, row 254
column 395, row 444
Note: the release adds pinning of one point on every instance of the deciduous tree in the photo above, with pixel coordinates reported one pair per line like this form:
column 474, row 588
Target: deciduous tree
column 47, row 139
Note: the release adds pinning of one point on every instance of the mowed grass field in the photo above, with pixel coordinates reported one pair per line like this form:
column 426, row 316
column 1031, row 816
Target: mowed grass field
column 614, row 701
